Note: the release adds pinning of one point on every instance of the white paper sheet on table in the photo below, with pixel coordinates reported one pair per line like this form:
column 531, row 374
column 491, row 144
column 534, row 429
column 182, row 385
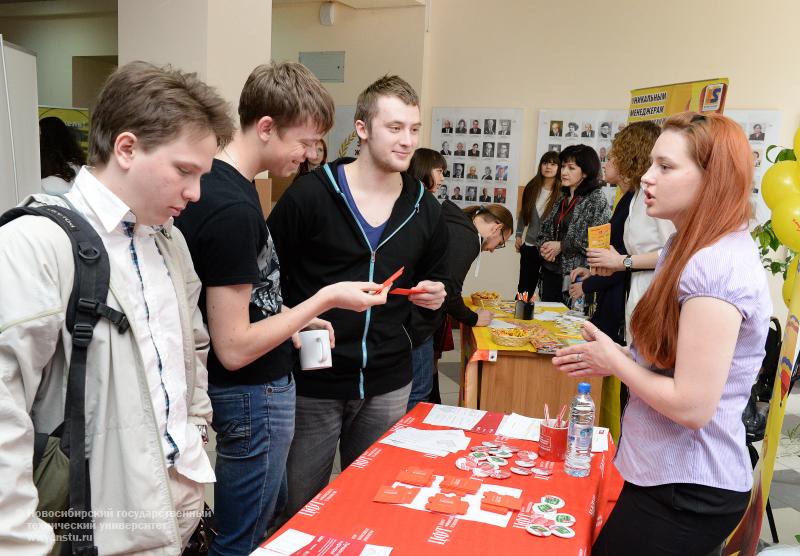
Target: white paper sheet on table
column 546, row 316
column 292, row 540
column 435, row 442
column 550, row 304
column 501, row 324
column 519, row 426
column 474, row 512
column 600, row 439
column 449, row 416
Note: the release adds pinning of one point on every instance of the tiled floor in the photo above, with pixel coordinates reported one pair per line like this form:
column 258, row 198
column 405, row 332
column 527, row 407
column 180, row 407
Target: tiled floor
column 785, row 494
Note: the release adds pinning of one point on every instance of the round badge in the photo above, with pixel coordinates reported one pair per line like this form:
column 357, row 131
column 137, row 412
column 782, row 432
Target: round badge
column 476, row 448
column 528, row 455
column 465, row 464
column 563, row 532
column 538, row 530
column 544, row 509
column 565, row 519
column 554, row 501
column 497, row 461
column 500, row 474
column 542, row 520
column 541, row 471
column 519, row 470
column 512, row 449
column 484, row 469
column 525, row 463
column 490, row 444
column 501, row 453
column 478, row 456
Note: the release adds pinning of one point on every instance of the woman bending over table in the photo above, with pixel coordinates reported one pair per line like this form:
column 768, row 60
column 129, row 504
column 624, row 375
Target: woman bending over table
column 699, row 335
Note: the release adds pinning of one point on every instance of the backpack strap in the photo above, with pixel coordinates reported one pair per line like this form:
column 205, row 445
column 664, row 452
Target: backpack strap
column 86, row 306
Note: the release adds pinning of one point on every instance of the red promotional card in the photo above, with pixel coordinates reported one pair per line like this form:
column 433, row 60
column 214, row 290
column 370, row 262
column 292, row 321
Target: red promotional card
column 489, row 423
column 326, row 545
column 396, row 495
column 447, row 504
column 406, row 291
column 460, row 484
column 416, row 476
column 504, row 501
column 494, row 509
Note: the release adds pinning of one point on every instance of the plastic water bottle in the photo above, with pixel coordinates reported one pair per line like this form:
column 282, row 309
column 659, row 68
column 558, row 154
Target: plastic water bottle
column 579, row 438
column 579, row 304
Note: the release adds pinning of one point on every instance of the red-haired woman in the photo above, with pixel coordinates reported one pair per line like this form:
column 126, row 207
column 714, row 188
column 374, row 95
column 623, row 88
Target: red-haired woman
column 699, row 336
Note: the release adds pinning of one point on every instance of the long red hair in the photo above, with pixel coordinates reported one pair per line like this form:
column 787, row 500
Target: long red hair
column 720, row 149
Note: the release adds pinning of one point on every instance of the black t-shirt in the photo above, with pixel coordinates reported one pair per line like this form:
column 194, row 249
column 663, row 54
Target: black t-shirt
column 231, row 245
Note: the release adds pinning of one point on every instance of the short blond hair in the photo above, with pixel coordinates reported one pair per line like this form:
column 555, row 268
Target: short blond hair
column 386, row 86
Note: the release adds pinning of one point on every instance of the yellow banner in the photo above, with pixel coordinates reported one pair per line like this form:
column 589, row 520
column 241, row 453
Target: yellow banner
column 657, row 103
column 75, row 118
column 744, row 538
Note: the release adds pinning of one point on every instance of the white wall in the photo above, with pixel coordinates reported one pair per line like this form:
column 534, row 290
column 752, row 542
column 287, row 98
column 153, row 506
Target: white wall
column 55, row 40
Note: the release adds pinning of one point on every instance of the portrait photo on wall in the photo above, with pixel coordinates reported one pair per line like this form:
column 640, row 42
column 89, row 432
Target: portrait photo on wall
column 461, row 126
column 472, row 193
column 500, row 195
column 602, row 152
column 489, row 126
column 556, row 128
column 458, row 171
column 505, row 127
column 445, row 148
column 442, row 195
column 501, row 173
column 487, row 173
column 447, row 127
column 757, row 133
column 459, row 150
column 472, row 173
column 488, row 150
column 485, row 197
column 757, row 159
column 572, row 129
column 474, row 150
column 588, row 130
column 502, row 150
column 620, row 127
column 456, row 196
column 555, row 147
column 475, row 128
column 605, row 130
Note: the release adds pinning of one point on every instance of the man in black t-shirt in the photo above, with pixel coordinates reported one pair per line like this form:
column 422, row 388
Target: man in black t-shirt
column 251, row 359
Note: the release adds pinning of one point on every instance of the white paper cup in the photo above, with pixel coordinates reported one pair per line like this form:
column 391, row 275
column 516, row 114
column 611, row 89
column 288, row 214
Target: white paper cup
column 315, row 350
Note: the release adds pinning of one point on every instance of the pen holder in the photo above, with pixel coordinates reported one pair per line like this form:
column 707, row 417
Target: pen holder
column 552, row 441
column 523, row 310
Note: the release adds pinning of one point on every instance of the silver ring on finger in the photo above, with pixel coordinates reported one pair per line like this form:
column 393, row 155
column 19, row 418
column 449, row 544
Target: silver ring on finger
column 580, row 358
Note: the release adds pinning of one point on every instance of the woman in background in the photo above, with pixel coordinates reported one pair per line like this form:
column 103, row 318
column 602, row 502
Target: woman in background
column 627, row 162
column 538, row 199
column 564, row 236
column 310, row 163
column 60, row 155
column 698, row 343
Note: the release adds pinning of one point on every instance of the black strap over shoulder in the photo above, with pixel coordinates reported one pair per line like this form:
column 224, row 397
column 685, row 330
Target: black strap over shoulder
column 87, row 303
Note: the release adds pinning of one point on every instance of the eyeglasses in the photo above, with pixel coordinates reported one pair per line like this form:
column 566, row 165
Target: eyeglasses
column 502, row 240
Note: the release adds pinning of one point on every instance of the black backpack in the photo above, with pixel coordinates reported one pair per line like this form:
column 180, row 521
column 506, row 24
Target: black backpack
column 68, row 442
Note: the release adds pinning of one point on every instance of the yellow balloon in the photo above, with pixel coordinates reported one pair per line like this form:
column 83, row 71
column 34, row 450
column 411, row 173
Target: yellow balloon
column 788, row 285
column 786, row 221
column 797, row 143
column 782, row 179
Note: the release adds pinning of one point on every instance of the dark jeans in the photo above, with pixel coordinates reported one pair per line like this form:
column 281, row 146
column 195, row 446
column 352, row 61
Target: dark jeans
column 529, row 263
column 675, row 519
column 254, row 426
column 422, row 381
column 551, row 286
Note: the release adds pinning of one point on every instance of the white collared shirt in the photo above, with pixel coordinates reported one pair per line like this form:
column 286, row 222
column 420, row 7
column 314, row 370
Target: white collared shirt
column 156, row 322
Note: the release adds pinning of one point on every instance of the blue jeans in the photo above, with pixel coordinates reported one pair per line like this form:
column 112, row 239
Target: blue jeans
column 254, row 426
column 422, row 367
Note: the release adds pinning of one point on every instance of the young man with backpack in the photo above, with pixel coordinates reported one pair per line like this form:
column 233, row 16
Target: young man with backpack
column 360, row 219
column 283, row 112
column 154, row 132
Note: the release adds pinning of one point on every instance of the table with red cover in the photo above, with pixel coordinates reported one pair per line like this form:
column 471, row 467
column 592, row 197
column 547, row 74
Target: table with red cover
column 345, row 511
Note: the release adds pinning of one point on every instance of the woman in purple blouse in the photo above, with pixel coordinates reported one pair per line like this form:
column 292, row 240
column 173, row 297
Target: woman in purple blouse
column 698, row 341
